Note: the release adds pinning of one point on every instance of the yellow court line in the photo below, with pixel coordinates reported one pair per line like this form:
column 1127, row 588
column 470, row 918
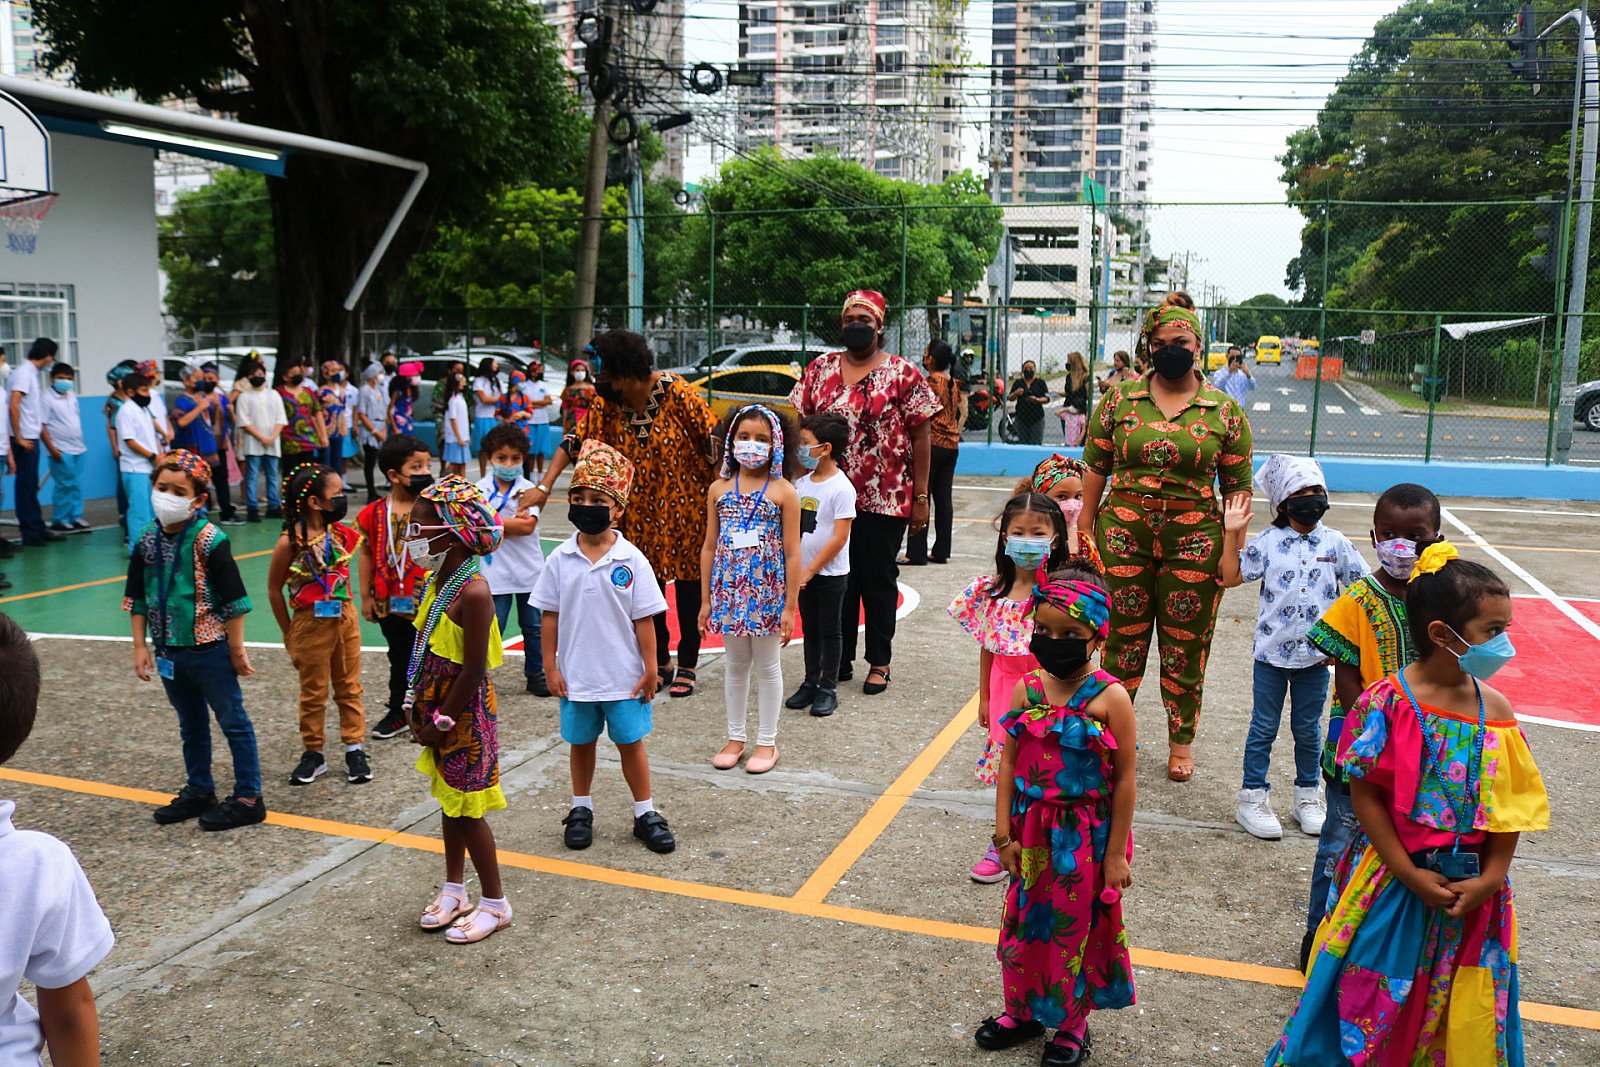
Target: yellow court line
column 101, row 581
column 1230, row 970
column 885, row 808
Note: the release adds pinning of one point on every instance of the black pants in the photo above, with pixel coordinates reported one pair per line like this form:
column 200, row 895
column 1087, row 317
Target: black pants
column 822, row 625
column 688, row 593
column 399, row 632
column 369, row 463
column 874, row 543
column 1030, row 425
column 30, row 518
column 222, row 495
column 941, row 480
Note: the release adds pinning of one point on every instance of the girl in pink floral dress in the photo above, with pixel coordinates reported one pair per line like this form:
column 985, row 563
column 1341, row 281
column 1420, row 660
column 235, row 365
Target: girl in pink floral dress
column 996, row 610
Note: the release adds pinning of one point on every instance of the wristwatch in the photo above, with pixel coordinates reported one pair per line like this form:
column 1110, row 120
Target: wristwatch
column 1001, row 840
column 922, row 498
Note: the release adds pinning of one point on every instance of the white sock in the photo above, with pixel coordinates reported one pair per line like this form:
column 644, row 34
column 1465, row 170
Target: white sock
column 583, row 802
column 454, row 889
column 642, row 806
column 495, row 905
column 352, row 748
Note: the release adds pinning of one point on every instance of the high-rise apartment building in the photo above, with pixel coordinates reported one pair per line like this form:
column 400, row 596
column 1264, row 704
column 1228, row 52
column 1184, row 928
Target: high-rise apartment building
column 874, row 81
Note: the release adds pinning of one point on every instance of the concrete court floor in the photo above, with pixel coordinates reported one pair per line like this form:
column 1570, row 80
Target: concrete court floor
column 296, row 942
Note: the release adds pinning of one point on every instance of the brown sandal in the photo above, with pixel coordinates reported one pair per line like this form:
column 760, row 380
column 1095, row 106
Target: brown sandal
column 683, row 685
column 1176, row 769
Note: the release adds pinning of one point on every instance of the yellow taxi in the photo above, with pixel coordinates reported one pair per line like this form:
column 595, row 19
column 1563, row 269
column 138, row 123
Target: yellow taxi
column 731, row 389
column 1312, row 348
column 1217, row 355
column 1269, row 349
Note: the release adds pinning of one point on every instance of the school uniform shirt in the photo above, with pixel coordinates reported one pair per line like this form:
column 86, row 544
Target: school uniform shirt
column 598, row 603
column 65, row 423
column 262, row 409
column 158, row 409
column 26, row 382
column 480, row 410
column 374, row 404
column 829, row 501
column 455, row 414
column 352, row 397
column 196, row 572
column 138, row 425
column 53, row 936
column 1301, row 576
column 537, row 390
column 514, row 567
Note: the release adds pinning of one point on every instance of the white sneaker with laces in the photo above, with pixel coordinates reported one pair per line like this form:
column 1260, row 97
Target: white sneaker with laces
column 1308, row 809
column 1256, row 816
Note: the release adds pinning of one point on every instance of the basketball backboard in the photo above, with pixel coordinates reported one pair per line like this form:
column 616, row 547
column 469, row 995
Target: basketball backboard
column 27, row 188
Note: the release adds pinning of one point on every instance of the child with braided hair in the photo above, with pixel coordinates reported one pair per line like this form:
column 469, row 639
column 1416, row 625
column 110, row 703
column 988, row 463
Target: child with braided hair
column 450, row 702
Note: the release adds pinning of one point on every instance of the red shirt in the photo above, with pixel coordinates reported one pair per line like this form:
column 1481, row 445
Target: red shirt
column 882, row 409
column 393, row 572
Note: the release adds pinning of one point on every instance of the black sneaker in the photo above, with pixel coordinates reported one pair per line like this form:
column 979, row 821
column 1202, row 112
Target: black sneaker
column 826, row 704
column 579, row 832
column 233, row 520
column 391, row 726
column 802, row 697
column 232, row 814
column 538, row 687
column 274, row 513
column 253, row 516
column 186, row 805
column 5, row 583
column 312, row 766
column 80, row 526
column 356, row 767
column 652, row 829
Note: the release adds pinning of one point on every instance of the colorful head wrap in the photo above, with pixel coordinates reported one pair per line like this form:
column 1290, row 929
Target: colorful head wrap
column 1282, row 476
column 870, row 301
column 146, row 367
column 604, row 468
column 1433, row 559
column 775, row 465
column 184, row 462
column 1165, row 315
column 119, row 372
column 515, row 379
column 1055, row 469
column 461, row 507
column 1081, row 600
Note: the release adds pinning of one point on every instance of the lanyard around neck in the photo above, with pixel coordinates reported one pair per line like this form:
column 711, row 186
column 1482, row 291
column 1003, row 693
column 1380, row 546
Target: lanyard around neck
column 1471, row 787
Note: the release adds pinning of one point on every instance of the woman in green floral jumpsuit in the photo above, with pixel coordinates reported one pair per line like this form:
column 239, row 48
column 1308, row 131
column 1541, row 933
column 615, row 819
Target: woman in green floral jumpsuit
column 1169, row 444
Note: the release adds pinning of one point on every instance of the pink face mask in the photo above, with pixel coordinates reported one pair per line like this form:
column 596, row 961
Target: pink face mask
column 1072, row 508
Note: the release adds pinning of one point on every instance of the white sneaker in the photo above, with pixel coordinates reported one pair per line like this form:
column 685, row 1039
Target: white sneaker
column 1255, row 815
column 1308, row 809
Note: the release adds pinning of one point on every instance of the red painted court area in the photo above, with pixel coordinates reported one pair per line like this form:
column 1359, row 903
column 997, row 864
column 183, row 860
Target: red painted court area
column 1556, row 673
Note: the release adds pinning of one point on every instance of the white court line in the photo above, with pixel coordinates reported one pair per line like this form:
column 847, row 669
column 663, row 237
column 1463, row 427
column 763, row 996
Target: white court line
column 1589, row 626
column 1557, row 723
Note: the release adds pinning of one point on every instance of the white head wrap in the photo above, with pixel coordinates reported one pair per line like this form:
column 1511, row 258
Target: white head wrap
column 1282, row 476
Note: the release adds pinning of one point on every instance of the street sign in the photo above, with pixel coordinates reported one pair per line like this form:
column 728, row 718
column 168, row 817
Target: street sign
column 1369, row 337
column 1094, row 192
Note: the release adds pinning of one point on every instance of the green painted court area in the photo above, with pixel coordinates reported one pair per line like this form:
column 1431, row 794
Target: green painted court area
column 75, row 586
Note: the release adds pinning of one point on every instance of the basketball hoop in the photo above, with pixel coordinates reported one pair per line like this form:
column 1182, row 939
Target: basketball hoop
column 21, row 216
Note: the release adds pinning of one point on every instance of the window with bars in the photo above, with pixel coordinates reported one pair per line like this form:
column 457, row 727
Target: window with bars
column 38, row 309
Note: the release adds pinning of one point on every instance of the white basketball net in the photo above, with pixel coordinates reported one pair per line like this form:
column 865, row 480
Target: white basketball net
column 21, row 217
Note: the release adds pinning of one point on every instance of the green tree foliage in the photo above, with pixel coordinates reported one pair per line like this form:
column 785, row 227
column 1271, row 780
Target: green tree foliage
column 1267, row 314
column 472, row 88
column 216, row 250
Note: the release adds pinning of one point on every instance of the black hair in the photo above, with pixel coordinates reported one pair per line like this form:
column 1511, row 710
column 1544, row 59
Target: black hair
column 402, row 385
column 280, row 370
column 396, row 449
column 1410, row 495
column 62, row 370
column 624, row 354
column 1078, row 570
column 791, row 435
column 1452, row 595
column 1005, row 571
column 504, row 435
column 486, row 367
column 42, row 348
column 19, row 687
column 450, row 386
column 248, row 366
column 829, row 428
column 134, row 381
column 941, row 353
column 303, row 483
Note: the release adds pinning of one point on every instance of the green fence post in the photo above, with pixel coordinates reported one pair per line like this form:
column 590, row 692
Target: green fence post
column 1430, row 386
column 805, row 332
column 1322, row 327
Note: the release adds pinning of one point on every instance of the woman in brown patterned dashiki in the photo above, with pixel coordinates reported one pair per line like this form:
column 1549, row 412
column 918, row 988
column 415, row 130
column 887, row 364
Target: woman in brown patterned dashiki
column 665, row 428
column 1169, row 443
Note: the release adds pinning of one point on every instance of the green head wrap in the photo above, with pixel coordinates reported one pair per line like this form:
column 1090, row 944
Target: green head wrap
column 1163, row 316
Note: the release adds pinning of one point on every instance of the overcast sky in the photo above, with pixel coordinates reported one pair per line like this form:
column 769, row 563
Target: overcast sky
column 1277, row 58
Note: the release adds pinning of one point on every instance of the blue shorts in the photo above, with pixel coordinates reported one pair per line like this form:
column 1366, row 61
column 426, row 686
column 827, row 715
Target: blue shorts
column 454, row 453
column 538, row 439
column 625, row 721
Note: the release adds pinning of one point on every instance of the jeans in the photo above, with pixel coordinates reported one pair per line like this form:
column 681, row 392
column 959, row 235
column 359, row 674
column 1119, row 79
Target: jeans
column 30, row 519
column 529, row 619
column 137, row 485
column 399, row 634
column 874, row 541
column 67, row 474
column 332, row 454
column 687, row 594
column 1337, row 832
column 1307, row 689
column 254, row 468
column 202, row 677
column 820, row 625
column 941, row 482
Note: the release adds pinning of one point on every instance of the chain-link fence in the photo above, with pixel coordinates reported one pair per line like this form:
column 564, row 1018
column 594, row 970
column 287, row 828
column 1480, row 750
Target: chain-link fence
column 1421, row 331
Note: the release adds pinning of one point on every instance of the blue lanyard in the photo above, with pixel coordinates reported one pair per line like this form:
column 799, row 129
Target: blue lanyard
column 164, row 581
column 1469, row 788
column 498, row 502
column 747, row 518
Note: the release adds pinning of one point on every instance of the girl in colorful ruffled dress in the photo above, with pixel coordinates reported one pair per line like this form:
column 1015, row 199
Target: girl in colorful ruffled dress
column 1063, row 825
column 995, row 609
column 1417, row 962
column 450, row 702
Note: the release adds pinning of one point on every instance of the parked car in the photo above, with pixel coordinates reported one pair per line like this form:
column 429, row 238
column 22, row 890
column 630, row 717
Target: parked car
column 227, row 359
column 1587, row 406
column 728, row 390
column 509, row 357
column 726, row 356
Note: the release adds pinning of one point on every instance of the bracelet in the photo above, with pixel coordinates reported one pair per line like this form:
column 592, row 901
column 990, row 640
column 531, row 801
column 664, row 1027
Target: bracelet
column 1001, row 840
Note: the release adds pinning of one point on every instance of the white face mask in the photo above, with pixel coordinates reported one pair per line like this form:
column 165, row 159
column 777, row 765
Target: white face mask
column 418, row 550
column 580, row 375
column 170, row 508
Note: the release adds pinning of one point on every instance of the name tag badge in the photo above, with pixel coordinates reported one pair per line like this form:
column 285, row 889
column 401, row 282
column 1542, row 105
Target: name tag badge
column 164, row 668
column 402, row 605
column 744, row 539
column 1455, row 866
column 329, row 609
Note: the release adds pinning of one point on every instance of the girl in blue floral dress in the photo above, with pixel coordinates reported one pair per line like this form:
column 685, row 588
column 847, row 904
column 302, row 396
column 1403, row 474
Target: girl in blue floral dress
column 1063, row 826
column 750, row 567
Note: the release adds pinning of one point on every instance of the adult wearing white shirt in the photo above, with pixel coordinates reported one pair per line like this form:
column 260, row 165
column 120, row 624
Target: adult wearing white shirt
column 26, row 402
column 370, row 410
column 260, row 417
column 486, row 393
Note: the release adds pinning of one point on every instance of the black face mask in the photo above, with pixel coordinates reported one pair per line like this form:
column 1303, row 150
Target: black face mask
column 140, row 399
column 1173, row 361
column 416, row 483
column 590, row 518
column 1306, row 510
column 1060, row 656
column 388, row 368
column 258, row 380
column 337, row 508
column 294, row 379
column 206, row 386
column 1026, row 373
column 608, row 392
column 859, row 336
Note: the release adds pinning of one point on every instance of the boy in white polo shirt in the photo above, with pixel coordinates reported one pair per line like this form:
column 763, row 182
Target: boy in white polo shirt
column 140, row 441
column 599, row 597
column 513, row 569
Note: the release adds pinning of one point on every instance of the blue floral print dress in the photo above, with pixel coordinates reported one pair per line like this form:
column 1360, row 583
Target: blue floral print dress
column 747, row 583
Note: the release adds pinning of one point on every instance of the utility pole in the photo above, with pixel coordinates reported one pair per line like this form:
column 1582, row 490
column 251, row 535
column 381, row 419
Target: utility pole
column 636, row 243
column 602, row 82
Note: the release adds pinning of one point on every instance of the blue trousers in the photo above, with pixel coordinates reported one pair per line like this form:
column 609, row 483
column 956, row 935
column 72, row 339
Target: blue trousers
column 1307, row 689
column 140, row 513
column 332, row 454
column 529, row 620
column 202, row 678
column 1337, row 832
column 30, row 519
column 254, row 467
column 67, row 475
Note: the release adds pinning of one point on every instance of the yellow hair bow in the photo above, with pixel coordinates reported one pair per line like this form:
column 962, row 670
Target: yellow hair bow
column 1432, row 559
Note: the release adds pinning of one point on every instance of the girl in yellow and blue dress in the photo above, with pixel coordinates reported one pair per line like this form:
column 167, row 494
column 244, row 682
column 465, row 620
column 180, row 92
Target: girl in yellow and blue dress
column 1417, row 962
column 450, row 702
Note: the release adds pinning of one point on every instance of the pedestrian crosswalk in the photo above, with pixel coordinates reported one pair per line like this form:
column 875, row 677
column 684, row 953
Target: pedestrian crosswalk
column 1301, row 409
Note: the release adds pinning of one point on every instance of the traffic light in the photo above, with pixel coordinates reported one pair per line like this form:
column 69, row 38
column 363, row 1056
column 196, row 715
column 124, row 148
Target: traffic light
column 1524, row 41
column 1548, row 233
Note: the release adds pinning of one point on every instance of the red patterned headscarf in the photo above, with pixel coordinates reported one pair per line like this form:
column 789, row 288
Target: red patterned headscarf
column 1055, row 469
column 870, row 301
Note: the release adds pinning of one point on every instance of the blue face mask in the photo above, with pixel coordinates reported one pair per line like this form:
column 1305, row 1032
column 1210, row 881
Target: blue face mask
column 506, row 474
column 1482, row 661
column 807, row 460
column 62, row 385
column 1029, row 553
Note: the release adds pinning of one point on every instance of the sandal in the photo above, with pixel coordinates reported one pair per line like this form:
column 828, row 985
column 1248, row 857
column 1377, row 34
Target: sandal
column 871, row 688
column 664, row 677
column 683, row 685
column 445, row 909
column 468, row 930
column 1180, row 768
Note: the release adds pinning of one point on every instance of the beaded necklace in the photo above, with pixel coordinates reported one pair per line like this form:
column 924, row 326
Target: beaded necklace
column 419, row 647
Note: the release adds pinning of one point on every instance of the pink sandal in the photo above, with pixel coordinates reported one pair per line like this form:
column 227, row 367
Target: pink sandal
column 439, row 914
column 468, row 930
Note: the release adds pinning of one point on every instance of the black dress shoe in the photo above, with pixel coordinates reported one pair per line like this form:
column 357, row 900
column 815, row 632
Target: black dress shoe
column 847, row 671
column 8, row 548
column 1066, row 1054
column 871, row 688
column 538, row 687
column 579, row 831
column 50, row 535
column 802, row 697
column 5, row 583
column 826, row 704
column 935, row 559
column 652, row 829
column 994, row 1037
